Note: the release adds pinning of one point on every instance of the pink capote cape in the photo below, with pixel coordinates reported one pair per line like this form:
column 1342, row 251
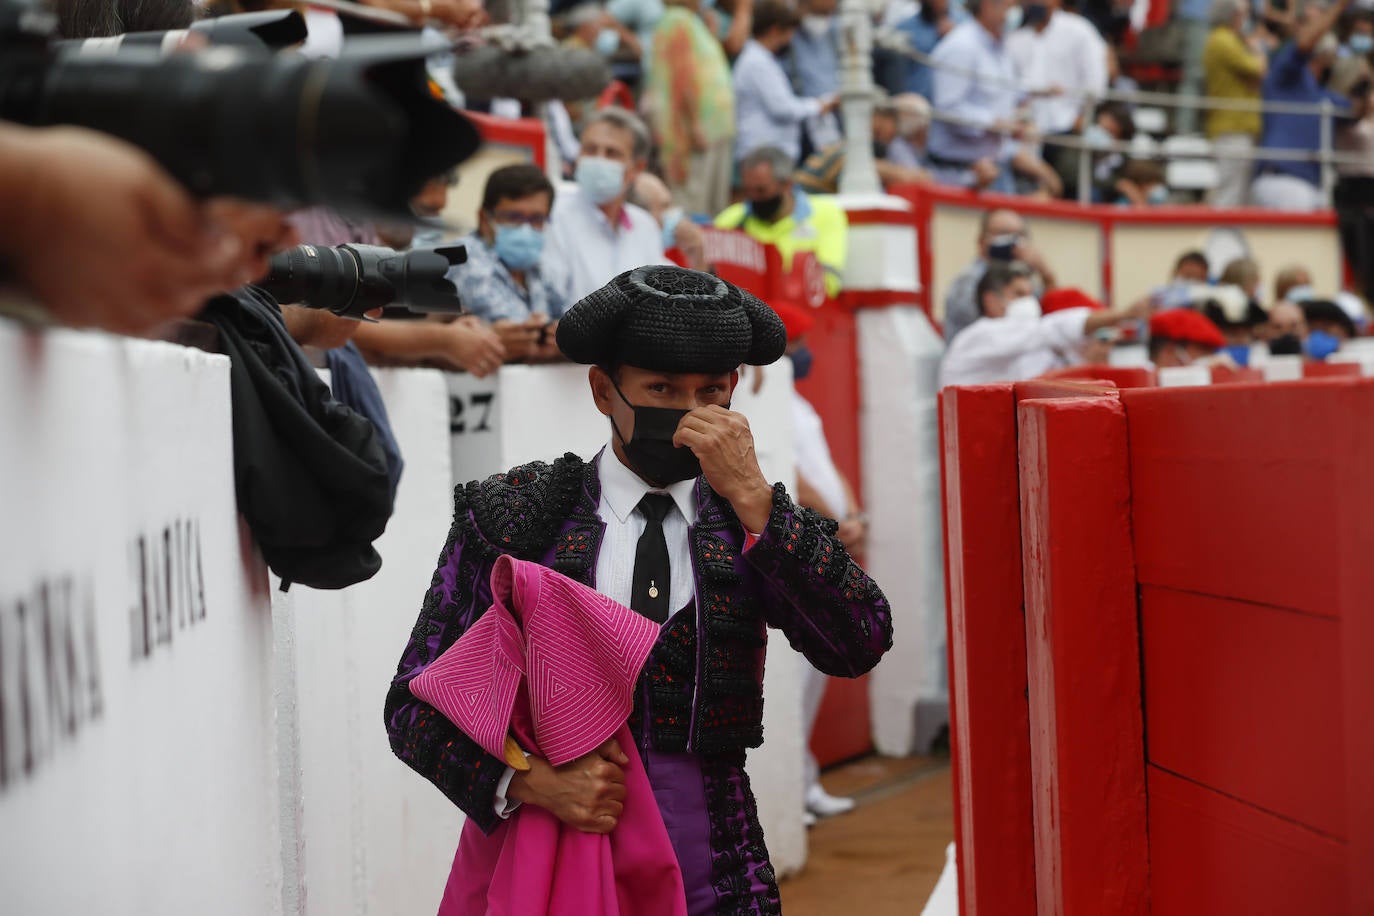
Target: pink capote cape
column 554, row 663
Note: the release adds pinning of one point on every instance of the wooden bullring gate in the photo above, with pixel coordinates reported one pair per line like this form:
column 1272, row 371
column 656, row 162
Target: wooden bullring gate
column 1161, row 618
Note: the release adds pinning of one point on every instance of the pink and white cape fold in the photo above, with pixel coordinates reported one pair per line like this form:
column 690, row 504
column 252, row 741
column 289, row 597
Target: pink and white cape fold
column 554, row 663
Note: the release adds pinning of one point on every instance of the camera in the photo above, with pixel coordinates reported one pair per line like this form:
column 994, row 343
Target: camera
column 265, row 30
column 351, row 280
column 360, row 133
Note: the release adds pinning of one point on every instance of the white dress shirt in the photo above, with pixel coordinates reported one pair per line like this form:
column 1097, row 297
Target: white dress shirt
column 590, row 251
column 621, row 491
column 1013, row 349
column 767, row 111
column 1069, row 53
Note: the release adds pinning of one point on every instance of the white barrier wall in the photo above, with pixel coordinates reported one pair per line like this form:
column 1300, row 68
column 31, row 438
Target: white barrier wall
column 374, row 837
column 898, row 361
column 155, row 757
column 137, row 754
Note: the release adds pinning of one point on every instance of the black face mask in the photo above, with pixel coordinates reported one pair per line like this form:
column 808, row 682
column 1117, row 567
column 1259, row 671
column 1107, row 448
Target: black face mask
column 650, row 448
column 1287, row 345
column 766, row 209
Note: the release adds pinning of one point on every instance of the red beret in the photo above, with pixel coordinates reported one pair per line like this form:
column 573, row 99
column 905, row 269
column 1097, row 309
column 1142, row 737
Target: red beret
column 797, row 319
column 1186, row 326
column 1056, row 300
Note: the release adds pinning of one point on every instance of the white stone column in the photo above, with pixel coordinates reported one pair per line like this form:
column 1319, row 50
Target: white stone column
column 860, row 176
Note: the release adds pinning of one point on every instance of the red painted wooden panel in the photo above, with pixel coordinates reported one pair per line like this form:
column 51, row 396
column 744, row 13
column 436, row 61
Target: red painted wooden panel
column 843, row 725
column 1234, row 490
column 1119, row 376
column 1245, row 699
column 844, row 729
column 1215, row 856
column 987, row 652
column 1082, row 643
column 1226, row 375
column 1330, row 370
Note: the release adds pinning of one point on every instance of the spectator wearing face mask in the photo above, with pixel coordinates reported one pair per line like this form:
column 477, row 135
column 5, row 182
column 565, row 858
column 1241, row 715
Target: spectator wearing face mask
column 1291, row 334
column 1140, row 183
column 1191, row 270
column 594, row 235
column 1182, row 337
column 1297, row 73
column 1013, row 340
column 1002, row 236
column 776, row 212
column 816, row 66
column 1358, row 29
column 1112, row 123
column 683, row 240
column 1234, row 64
column 588, row 27
column 1293, row 284
column 505, row 280
column 768, row 111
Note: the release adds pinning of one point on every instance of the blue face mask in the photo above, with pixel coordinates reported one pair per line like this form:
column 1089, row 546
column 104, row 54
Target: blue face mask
column 1158, row 195
column 1096, row 135
column 1319, row 344
column 671, row 218
column 519, row 247
column 1300, row 294
column 602, row 180
column 802, row 360
column 1239, row 353
column 607, row 42
column 1361, row 44
column 1015, row 16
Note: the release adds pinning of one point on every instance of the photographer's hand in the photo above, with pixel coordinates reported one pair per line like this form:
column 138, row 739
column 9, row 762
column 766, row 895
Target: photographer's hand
column 102, row 236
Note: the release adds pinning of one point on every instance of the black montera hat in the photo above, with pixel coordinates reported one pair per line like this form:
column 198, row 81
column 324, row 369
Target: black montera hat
column 670, row 319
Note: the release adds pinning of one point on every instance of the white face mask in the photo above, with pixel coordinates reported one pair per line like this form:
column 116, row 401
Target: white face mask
column 1015, row 16
column 816, row 26
column 1024, row 307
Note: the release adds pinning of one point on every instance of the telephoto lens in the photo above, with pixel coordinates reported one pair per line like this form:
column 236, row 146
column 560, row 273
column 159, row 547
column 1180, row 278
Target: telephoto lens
column 360, row 133
column 265, row 30
column 351, row 280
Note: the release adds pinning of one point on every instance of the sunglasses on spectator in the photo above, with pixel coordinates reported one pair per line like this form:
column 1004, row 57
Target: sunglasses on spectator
column 509, row 218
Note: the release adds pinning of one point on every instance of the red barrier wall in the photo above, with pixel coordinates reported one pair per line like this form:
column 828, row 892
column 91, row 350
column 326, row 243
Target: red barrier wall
column 1087, row 743
column 989, row 723
column 843, row 725
column 1212, row 544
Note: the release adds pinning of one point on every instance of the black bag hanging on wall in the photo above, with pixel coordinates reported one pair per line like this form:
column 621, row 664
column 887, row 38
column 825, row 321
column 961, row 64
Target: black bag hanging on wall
column 310, row 474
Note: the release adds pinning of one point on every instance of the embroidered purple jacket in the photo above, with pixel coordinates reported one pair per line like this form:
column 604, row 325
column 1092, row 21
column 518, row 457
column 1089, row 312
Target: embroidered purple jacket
column 704, row 680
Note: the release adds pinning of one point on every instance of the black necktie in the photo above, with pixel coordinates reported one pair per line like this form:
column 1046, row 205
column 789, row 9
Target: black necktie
column 650, row 594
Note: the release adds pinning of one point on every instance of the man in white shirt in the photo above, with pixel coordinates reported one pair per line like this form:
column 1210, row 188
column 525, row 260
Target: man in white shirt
column 767, row 110
column 594, row 234
column 1013, row 341
column 675, row 519
column 1059, row 56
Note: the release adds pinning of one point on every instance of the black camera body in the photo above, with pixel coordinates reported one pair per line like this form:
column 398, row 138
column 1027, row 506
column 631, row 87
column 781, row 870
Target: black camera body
column 361, row 133
column 351, row 280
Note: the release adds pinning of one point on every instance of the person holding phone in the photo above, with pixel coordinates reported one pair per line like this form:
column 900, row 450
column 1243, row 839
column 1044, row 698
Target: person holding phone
column 1003, row 236
column 506, row 279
